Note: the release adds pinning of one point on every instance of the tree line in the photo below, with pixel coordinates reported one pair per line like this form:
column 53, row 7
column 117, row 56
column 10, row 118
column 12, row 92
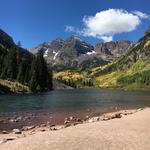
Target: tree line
column 76, row 83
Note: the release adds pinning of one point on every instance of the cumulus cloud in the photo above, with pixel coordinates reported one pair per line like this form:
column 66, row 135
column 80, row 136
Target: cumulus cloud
column 105, row 24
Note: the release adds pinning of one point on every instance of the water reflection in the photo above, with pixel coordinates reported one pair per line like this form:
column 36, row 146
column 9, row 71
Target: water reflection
column 73, row 100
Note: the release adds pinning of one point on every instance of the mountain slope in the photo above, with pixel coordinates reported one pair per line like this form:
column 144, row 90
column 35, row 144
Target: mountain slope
column 131, row 70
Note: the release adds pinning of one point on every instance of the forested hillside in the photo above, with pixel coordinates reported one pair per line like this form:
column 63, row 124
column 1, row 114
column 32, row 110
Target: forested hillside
column 17, row 65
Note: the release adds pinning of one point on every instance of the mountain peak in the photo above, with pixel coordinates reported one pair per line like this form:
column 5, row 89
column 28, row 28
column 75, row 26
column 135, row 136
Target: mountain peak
column 58, row 39
column 75, row 37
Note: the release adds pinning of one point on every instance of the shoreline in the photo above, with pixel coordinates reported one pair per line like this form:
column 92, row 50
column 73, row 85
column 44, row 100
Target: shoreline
column 19, row 120
column 26, row 131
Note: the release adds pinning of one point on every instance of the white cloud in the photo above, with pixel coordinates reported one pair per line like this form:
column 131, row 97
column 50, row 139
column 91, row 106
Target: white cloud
column 106, row 38
column 105, row 24
column 140, row 14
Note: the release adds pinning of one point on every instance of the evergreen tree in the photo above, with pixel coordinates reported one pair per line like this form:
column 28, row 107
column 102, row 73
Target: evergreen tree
column 11, row 64
column 41, row 78
column 34, row 78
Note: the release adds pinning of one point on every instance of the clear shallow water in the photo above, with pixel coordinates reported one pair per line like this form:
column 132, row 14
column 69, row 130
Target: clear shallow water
column 74, row 100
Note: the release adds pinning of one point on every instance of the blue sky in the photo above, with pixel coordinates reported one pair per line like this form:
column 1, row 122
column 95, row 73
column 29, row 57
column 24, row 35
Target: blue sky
column 36, row 21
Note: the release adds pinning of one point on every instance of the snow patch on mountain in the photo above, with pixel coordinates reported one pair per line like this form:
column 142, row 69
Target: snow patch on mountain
column 55, row 54
column 46, row 53
column 90, row 53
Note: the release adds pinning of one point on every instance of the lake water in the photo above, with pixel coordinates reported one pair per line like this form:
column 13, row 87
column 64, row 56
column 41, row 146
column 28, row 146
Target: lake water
column 55, row 106
column 74, row 100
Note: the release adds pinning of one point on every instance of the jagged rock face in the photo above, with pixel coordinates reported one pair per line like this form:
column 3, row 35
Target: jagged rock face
column 76, row 46
column 71, row 50
column 55, row 45
column 75, row 52
column 60, row 52
column 112, row 49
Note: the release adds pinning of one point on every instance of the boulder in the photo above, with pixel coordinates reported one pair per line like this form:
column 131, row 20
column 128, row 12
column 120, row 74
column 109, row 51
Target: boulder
column 25, row 128
column 12, row 120
column 43, row 125
column 105, row 119
column 79, row 120
column 42, row 130
column 71, row 118
column 66, row 121
column 118, row 115
column 94, row 119
column 5, row 132
column 16, row 131
column 67, row 125
column 52, row 125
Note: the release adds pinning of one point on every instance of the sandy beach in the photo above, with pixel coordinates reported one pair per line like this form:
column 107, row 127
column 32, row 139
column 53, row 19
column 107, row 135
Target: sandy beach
column 126, row 133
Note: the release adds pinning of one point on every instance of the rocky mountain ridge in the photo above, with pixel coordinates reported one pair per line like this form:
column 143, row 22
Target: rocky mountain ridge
column 75, row 53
